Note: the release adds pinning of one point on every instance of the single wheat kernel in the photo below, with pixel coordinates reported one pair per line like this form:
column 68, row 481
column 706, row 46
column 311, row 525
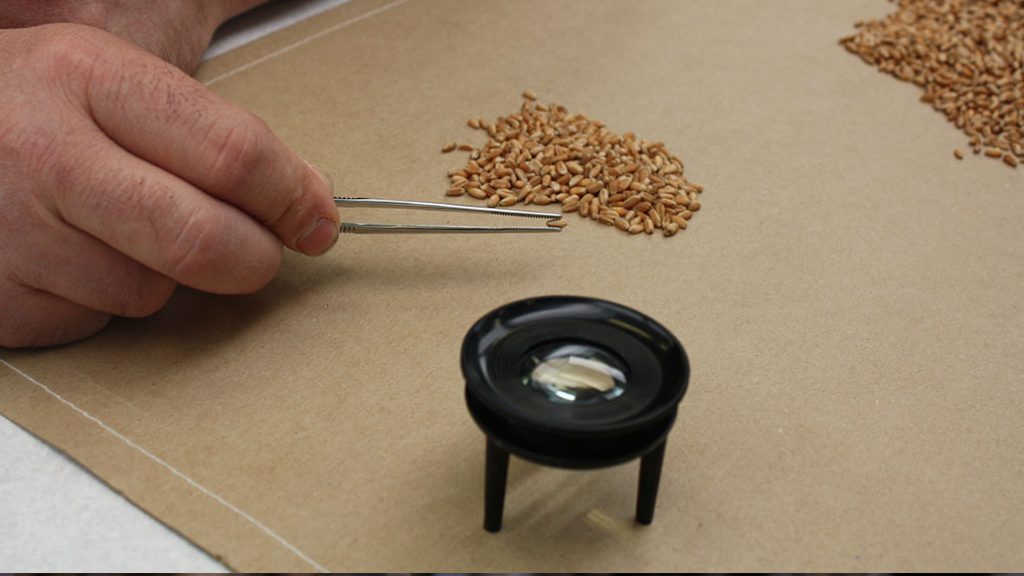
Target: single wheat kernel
column 529, row 95
column 493, row 201
column 1010, row 161
column 448, row 147
column 560, row 223
column 656, row 218
column 958, row 153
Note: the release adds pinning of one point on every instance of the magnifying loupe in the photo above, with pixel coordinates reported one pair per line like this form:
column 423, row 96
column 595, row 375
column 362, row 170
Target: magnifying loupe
column 572, row 382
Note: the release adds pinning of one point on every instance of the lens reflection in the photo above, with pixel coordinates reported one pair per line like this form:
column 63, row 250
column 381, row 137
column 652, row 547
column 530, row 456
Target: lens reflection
column 575, row 373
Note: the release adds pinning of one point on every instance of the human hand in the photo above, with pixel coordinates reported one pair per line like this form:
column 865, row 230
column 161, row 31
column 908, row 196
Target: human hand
column 121, row 176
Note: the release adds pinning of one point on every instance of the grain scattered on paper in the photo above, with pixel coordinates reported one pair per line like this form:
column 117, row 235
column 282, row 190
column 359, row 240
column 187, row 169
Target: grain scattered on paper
column 544, row 155
column 967, row 55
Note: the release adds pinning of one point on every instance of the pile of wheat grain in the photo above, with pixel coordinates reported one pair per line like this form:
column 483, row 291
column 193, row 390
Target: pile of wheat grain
column 967, row 55
column 544, row 155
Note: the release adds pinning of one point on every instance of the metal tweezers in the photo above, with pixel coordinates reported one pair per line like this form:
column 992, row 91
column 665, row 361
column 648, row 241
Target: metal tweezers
column 362, row 228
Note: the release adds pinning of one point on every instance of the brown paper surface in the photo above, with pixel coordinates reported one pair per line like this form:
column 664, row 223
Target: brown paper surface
column 850, row 297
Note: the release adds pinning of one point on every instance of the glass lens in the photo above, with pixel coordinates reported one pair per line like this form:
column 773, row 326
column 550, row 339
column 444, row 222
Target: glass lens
column 575, row 373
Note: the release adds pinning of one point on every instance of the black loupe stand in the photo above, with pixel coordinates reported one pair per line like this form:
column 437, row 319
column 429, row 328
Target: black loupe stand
column 572, row 383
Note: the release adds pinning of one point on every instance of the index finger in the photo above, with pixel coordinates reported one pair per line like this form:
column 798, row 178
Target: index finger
column 160, row 114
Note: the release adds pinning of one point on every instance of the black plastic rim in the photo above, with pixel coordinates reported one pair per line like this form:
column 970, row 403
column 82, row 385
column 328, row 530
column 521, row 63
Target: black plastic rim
column 569, row 451
column 493, row 347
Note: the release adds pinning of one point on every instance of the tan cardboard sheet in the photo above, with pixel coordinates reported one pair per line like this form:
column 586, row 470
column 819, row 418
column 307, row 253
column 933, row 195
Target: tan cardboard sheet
column 852, row 299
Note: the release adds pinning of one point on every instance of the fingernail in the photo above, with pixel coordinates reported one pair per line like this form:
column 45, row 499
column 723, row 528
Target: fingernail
column 318, row 238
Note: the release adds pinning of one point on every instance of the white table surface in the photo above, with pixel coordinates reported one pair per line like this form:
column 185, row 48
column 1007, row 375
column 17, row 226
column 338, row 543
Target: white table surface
column 57, row 517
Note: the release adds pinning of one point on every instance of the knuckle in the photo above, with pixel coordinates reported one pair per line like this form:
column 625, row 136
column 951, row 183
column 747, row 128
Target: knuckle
column 201, row 257
column 70, row 51
column 29, row 147
column 34, row 130
column 147, row 295
column 67, row 163
column 29, row 318
column 194, row 253
column 21, row 218
column 297, row 210
column 238, row 147
column 12, row 334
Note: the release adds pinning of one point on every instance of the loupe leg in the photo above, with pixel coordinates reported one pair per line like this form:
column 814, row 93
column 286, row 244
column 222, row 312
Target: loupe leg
column 495, row 478
column 650, row 476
